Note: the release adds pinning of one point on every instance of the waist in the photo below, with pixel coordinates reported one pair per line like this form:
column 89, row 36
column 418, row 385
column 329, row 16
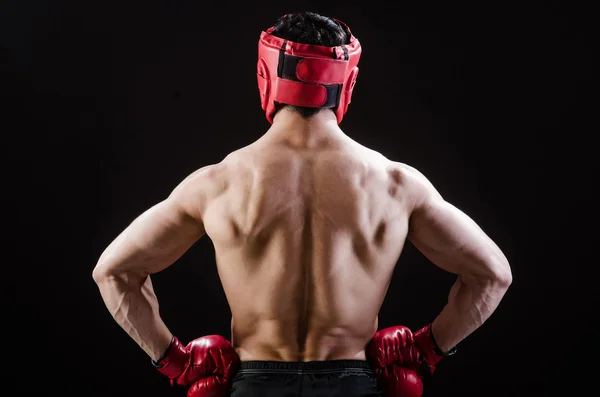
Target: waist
column 274, row 341
column 305, row 367
column 319, row 349
column 249, row 353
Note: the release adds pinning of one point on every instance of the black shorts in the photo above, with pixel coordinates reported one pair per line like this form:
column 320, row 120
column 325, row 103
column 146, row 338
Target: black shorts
column 338, row 378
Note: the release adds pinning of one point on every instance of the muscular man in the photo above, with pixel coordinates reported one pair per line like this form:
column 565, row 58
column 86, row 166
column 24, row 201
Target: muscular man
column 307, row 226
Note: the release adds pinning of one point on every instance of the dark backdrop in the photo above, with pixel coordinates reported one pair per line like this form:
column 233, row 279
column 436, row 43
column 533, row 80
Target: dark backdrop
column 111, row 104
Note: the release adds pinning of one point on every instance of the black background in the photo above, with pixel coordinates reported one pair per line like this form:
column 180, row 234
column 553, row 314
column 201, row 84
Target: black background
column 111, row 104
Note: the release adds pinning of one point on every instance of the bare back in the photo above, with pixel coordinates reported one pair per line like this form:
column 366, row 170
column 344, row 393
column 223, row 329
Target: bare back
column 306, row 240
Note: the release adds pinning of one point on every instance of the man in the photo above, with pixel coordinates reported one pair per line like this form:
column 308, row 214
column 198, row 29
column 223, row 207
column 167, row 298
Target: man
column 307, row 227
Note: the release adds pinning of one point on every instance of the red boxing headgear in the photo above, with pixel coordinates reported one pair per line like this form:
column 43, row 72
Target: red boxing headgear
column 306, row 75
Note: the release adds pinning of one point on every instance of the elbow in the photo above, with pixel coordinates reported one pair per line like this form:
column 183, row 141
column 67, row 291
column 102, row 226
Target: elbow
column 105, row 271
column 501, row 274
column 110, row 273
column 101, row 273
column 492, row 274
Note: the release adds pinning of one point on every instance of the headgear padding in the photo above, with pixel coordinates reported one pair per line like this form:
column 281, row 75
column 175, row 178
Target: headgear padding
column 306, row 75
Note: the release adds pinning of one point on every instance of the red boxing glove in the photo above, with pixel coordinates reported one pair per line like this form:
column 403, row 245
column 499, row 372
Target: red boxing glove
column 206, row 364
column 429, row 349
column 401, row 359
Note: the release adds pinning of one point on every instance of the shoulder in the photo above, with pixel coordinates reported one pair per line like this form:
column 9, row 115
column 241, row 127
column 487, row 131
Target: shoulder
column 212, row 178
column 203, row 178
column 397, row 172
column 406, row 174
column 413, row 183
column 194, row 192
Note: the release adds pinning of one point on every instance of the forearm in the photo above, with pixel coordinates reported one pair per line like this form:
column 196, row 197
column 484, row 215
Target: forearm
column 470, row 303
column 132, row 302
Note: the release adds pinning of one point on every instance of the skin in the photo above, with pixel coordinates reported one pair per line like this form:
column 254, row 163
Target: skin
column 307, row 227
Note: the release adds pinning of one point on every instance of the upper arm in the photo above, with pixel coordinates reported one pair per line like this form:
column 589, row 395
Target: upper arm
column 163, row 233
column 448, row 237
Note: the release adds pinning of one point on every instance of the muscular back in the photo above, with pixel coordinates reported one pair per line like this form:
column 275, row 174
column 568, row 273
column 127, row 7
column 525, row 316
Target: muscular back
column 306, row 240
column 307, row 226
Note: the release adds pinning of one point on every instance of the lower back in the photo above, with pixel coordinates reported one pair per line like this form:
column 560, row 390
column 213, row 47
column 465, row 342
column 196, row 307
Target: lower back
column 274, row 340
column 284, row 311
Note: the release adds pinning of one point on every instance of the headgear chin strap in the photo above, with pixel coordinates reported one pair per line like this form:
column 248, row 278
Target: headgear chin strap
column 306, row 75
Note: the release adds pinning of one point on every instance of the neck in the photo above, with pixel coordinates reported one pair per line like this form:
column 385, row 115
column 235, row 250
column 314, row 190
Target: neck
column 292, row 128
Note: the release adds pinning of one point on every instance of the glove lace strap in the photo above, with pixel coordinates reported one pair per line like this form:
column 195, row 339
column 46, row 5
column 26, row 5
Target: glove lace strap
column 156, row 363
column 437, row 349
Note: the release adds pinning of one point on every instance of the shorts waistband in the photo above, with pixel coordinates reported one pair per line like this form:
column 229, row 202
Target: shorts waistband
column 305, row 367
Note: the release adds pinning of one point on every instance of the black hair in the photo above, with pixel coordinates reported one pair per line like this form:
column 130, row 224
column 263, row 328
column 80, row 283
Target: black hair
column 314, row 29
